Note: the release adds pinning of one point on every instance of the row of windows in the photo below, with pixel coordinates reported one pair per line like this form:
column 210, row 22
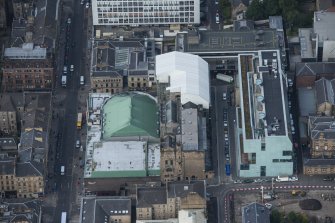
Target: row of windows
column 125, row 15
column 143, row 3
column 281, row 160
column 175, row 9
column 106, row 85
column 323, row 170
column 109, row 80
column 146, row 20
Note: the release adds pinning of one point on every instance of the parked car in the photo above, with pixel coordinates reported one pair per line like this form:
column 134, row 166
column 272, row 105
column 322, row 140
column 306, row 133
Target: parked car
column 246, row 181
column 225, row 123
column 328, row 178
column 72, row 68
column 87, row 5
column 78, row 144
column 68, row 20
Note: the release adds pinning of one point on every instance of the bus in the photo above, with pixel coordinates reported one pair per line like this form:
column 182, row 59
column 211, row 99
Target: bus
column 79, row 120
column 228, row 169
column 63, row 219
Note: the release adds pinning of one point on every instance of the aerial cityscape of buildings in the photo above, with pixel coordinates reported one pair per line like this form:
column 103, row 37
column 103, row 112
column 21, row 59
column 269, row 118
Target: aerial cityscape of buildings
column 187, row 111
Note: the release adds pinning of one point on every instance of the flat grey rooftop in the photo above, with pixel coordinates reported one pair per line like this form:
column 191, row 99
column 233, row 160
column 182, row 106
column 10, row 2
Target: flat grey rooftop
column 211, row 41
column 95, row 209
column 273, row 102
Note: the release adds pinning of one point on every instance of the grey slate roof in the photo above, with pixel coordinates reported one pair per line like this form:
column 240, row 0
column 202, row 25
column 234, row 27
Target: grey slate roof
column 29, row 169
column 324, row 90
column 6, row 104
column 255, row 213
column 7, row 166
column 37, row 107
column 322, row 124
column 33, row 146
column 146, row 197
column 109, row 55
column 319, row 162
column 19, row 209
column 94, row 209
column 314, row 69
column 7, row 143
column 182, row 189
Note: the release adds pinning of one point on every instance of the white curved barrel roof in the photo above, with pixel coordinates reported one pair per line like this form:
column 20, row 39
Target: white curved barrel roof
column 187, row 74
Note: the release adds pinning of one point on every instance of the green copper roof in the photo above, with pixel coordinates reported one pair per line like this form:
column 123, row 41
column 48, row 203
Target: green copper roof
column 131, row 114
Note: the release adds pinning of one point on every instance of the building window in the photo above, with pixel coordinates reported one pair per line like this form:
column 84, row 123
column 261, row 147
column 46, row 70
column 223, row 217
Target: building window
column 287, row 153
column 263, row 171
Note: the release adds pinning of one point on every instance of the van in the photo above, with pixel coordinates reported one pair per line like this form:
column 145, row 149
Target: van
column 65, row 69
column 64, row 81
column 82, row 82
column 62, row 170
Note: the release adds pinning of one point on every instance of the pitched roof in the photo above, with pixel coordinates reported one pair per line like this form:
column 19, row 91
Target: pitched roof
column 313, row 69
column 182, row 189
column 319, row 162
column 322, row 124
column 324, row 91
column 131, row 114
column 255, row 213
column 187, row 74
column 146, row 197
column 29, row 169
column 7, row 166
column 96, row 209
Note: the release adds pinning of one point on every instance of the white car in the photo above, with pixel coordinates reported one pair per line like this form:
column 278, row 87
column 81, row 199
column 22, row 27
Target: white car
column 82, row 2
column 87, row 5
column 72, row 68
column 225, row 123
column 217, row 18
column 68, row 20
column 77, row 144
column 293, row 179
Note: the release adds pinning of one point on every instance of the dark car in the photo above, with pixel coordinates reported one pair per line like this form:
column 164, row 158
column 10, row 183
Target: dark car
column 328, row 178
column 246, row 181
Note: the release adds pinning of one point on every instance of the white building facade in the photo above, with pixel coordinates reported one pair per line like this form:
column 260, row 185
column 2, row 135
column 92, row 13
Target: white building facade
column 147, row 12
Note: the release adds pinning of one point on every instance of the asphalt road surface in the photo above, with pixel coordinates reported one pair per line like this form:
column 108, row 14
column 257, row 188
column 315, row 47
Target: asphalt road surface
column 75, row 42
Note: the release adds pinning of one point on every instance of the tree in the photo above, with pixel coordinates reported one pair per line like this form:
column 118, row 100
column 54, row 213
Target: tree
column 276, row 217
column 256, row 10
column 271, row 7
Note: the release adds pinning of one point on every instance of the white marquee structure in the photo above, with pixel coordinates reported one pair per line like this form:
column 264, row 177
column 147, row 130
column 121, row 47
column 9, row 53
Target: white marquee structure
column 187, row 74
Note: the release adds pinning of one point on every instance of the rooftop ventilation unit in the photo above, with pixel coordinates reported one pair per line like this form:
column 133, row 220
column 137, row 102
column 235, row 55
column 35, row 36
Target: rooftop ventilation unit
column 259, row 81
column 261, row 115
column 260, row 98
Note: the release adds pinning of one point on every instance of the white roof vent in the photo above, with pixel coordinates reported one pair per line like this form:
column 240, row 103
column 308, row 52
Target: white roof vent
column 260, row 98
column 261, row 115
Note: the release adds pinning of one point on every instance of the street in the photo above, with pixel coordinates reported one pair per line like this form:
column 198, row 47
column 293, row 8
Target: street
column 63, row 191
